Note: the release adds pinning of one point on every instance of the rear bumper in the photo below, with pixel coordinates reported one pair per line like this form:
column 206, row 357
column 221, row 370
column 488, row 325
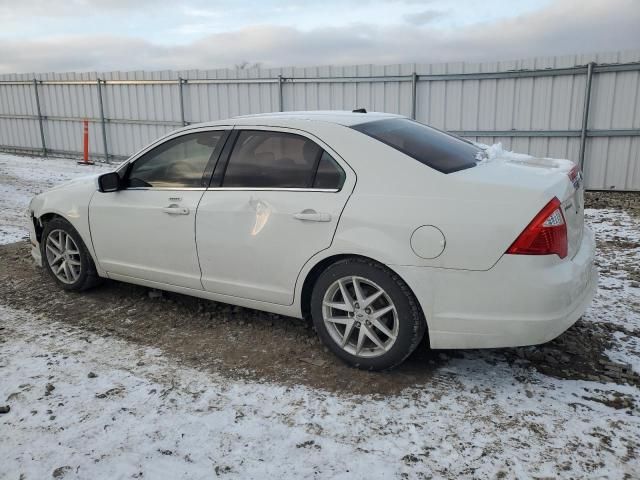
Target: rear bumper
column 522, row 300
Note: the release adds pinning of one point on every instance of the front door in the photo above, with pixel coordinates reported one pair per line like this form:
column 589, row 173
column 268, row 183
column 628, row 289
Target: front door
column 276, row 205
column 147, row 229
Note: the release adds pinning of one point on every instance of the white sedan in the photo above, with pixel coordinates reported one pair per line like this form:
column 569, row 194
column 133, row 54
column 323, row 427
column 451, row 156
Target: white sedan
column 379, row 228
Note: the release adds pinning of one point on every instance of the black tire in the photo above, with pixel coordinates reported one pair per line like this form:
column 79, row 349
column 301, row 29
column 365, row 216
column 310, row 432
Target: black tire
column 88, row 276
column 411, row 321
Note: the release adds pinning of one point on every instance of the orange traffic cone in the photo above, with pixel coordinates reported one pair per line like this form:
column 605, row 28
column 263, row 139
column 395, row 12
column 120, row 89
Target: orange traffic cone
column 85, row 141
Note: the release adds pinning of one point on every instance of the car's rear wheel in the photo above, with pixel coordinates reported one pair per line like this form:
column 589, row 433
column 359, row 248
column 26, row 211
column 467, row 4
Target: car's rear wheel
column 366, row 314
column 66, row 257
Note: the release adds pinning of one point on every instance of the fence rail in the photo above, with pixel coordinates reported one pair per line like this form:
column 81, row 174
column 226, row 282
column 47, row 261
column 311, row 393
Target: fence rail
column 35, row 104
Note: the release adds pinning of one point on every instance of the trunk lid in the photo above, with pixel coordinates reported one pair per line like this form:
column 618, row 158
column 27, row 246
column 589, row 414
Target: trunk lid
column 525, row 179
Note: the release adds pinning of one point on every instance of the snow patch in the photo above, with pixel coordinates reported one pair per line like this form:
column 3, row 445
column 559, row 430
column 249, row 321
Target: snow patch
column 24, row 177
column 496, row 153
column 144, row 414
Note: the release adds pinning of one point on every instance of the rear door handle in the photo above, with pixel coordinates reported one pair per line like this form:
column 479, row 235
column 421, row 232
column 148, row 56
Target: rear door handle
column 176, row 210
column 309, row 215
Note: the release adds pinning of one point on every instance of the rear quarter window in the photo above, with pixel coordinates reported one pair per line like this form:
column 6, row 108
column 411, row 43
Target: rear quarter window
column 438, row 150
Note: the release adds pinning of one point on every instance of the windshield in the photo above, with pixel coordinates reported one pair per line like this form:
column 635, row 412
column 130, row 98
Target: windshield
column 434, row 148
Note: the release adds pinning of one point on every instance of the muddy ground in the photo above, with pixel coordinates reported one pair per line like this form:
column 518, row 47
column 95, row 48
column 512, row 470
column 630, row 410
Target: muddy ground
column 246, row 343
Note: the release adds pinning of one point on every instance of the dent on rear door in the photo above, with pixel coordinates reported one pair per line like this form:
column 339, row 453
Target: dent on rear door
column 253, row 243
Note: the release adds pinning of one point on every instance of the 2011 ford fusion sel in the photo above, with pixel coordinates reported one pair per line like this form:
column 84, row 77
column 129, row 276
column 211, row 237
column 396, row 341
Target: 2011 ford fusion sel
column 379, row 228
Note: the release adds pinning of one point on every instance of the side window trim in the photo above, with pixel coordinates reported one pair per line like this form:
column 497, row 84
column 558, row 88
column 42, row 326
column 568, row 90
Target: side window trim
column 221, row 166
column 274, row 189
column 220, row 170
column 316, row 164
column 215, row 158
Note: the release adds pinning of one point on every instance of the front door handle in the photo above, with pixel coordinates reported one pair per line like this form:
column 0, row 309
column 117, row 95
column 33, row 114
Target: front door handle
column 176, row 210
column 310, row 215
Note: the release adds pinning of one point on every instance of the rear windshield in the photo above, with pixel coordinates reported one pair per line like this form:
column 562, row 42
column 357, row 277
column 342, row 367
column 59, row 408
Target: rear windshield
column 439, row 150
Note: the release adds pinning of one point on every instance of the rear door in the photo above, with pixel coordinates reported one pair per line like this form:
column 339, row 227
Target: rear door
column 274, row 202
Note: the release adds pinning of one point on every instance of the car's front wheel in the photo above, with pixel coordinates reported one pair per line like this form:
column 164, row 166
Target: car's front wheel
column 66, row 257
column 366, row 314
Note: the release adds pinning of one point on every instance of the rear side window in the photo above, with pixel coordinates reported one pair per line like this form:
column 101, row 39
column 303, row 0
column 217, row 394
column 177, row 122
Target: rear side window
column 329, row 173
column 429, row 146
column 263, row 159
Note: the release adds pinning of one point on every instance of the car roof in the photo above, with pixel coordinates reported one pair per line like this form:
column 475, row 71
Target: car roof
column 340, row 117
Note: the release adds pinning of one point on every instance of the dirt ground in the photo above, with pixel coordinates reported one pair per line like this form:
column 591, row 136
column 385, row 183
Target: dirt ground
column 244, row 343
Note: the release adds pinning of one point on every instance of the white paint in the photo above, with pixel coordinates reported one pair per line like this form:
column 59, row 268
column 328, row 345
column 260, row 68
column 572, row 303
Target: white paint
column 428, row 242
column 480, row 211
column 133, row 236
column 250, row 243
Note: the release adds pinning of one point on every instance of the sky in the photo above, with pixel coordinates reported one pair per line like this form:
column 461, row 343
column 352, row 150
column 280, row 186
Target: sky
column 104, row 35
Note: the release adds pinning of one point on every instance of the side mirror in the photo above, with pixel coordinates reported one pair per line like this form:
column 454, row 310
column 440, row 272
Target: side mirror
column 109, row 182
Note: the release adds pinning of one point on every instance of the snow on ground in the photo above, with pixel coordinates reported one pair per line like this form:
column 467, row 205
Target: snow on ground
column 616, row 282
column 23, row 177
column 623, row 231
column 146, row 415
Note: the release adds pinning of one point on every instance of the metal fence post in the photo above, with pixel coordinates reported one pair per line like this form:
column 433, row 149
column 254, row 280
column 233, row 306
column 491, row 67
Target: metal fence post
column 44, row 144
column 414, row 85
column 181, row 81
column 102, row 121
column 280, row 97
column 585, row 115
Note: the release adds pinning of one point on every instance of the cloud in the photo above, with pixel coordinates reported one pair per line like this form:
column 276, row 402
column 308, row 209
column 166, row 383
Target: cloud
column 70, row 7
column 564, row 27
column 424, row 17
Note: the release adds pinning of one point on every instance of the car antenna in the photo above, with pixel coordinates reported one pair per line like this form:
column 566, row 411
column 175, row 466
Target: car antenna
column 359, row 110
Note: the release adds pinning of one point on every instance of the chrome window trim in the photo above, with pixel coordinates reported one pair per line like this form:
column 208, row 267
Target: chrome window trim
column 191, row 189
column 274, row 189
column 238, row 189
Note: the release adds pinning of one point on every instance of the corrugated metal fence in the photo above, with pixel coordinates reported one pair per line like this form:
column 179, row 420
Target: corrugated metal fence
column 582, row 107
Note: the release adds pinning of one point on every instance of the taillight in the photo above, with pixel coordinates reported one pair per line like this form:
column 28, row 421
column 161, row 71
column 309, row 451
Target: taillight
column 545, row 235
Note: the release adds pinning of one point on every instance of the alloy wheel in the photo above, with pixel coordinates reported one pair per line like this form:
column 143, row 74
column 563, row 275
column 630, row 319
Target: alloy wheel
column 360, row 317
column 63, row 256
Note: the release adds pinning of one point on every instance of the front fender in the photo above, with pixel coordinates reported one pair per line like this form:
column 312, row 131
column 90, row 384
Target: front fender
column 71, row 203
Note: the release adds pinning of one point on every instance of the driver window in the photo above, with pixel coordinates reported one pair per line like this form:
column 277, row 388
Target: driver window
column 177, row 163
